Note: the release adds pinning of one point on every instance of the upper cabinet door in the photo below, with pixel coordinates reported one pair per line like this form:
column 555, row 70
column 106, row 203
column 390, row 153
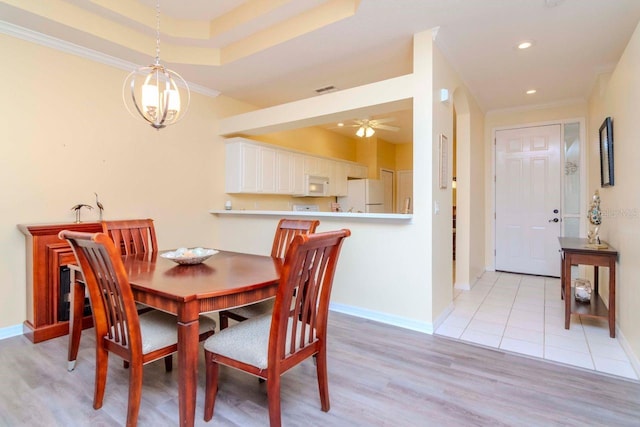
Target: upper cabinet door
column 241, row 168
column 268, row 170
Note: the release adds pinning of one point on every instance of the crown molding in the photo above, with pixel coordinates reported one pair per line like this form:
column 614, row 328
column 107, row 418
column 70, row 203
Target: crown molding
column 83, row 52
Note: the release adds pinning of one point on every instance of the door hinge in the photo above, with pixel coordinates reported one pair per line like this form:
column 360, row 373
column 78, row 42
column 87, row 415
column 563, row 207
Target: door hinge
column 494, row 252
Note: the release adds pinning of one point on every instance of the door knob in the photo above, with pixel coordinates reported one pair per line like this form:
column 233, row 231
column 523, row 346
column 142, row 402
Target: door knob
column 554, row 220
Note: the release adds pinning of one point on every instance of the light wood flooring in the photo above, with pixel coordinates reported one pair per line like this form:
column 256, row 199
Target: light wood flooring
column 379, row 375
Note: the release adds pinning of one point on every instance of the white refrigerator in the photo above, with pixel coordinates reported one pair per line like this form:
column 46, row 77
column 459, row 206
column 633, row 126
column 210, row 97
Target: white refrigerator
column 363, row 195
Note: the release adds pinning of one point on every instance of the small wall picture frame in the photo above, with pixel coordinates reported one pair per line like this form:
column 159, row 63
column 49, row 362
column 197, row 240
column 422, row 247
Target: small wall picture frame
column 443, row 172
column 606, row 153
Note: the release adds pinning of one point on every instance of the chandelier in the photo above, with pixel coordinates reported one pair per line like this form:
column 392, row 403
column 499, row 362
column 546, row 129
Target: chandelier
column 365, row 131
column 154, row 91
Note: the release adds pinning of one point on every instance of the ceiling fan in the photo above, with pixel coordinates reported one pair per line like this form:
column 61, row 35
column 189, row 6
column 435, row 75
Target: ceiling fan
column 366, row 127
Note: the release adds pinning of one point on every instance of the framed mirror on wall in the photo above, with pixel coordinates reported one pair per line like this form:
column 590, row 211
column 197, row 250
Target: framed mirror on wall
column 606, row 153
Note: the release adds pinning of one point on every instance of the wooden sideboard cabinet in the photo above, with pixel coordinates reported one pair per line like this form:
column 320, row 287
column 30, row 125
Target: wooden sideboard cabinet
column 46, row 256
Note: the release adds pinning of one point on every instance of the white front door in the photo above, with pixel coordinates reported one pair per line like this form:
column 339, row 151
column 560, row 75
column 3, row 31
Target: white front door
column 528, row 204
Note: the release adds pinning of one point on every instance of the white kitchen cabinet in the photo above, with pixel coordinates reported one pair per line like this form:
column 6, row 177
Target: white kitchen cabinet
column 252, row 167
column 297, row 173
column 338, row 183
column 284, row 172
column 268, row 181
column 241, row 168
column 358, row 171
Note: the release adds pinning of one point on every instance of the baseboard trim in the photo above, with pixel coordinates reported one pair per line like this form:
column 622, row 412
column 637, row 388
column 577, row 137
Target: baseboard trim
column 386, row 318
column 635, row 363
column 10, row 331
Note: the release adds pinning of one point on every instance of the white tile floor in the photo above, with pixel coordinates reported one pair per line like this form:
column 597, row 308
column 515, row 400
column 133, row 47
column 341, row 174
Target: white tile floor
column 524, row 314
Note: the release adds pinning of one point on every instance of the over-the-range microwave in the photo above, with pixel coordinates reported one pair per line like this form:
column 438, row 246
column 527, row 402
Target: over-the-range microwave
column 316, row 186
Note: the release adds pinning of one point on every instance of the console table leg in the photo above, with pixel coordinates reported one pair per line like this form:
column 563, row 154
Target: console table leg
column 566, row 279
column 612, row 299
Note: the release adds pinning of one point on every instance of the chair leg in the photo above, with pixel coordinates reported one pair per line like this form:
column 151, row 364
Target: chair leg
column 168, row 363
column 273, row 396
column 102, row 365
column 224, row 321
column 323, row 383
column 135, row 390
column 211, row 387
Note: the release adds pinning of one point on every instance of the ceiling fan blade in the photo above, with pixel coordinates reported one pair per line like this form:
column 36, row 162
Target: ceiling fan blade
column 385, row 127
column 344, row 126
column 380, row 121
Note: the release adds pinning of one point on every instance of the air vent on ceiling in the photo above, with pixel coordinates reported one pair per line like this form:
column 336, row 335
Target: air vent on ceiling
column 326, row 89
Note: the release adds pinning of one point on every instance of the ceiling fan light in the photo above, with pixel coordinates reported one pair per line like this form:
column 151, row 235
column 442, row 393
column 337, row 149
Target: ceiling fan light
column 369, row 131
column 360, row 132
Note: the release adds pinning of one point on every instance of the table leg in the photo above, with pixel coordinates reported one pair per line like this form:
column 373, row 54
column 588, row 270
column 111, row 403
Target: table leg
column 76, row 313
column 188, row 327
column 566, row 276
column 612, row 299
column 562, row 275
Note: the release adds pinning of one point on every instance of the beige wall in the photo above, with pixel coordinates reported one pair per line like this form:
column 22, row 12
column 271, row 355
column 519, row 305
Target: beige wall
column 618, row 96
column 470, row 192
column 66, row 135
column 404, row 156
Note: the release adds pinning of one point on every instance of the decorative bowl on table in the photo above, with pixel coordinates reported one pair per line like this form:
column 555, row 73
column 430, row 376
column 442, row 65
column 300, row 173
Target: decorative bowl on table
column 189, row 256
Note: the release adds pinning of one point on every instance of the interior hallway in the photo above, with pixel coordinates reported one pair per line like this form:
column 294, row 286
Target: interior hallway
column 524, row 314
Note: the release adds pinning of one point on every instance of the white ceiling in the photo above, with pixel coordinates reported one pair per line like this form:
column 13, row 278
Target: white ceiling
column 575, row 40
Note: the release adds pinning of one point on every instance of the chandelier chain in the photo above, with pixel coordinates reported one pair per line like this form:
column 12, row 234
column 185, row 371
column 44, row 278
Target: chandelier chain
column 158, row 32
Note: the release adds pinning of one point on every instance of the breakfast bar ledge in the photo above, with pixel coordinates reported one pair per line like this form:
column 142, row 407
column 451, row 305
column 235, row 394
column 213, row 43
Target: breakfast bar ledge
column 371, row 216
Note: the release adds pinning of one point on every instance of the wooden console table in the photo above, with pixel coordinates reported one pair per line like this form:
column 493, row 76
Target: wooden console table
column 576, row 252
column 45, row 254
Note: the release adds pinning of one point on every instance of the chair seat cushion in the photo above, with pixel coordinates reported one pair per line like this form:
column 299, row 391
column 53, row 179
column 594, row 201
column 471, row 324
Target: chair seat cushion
column 159, row 329
column 246, row 342
column 254, row 310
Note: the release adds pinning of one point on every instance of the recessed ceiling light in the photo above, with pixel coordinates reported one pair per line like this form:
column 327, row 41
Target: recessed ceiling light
column 340, row 124
column 531, row 91
column 525, row 44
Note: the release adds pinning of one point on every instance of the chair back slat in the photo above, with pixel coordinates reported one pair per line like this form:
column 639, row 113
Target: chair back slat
column 112, row 304
column 132, row 236
column 302, row 302
column 288, row 229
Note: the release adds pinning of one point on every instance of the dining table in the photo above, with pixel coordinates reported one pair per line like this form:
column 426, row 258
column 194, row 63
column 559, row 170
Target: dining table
column 223, row 281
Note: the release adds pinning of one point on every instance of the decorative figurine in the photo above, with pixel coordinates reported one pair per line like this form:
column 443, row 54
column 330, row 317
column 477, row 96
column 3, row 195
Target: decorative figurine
column 595, row 218
column 99, row 205
column 78, row 208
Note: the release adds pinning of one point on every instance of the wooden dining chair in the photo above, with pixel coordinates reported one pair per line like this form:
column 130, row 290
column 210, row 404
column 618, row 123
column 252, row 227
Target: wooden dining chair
column 286, row 230
column 132, row 236
column 137, row 338
column 269, row 345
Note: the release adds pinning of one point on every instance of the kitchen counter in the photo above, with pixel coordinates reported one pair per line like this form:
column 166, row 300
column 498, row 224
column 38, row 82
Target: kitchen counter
column 340, row 215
